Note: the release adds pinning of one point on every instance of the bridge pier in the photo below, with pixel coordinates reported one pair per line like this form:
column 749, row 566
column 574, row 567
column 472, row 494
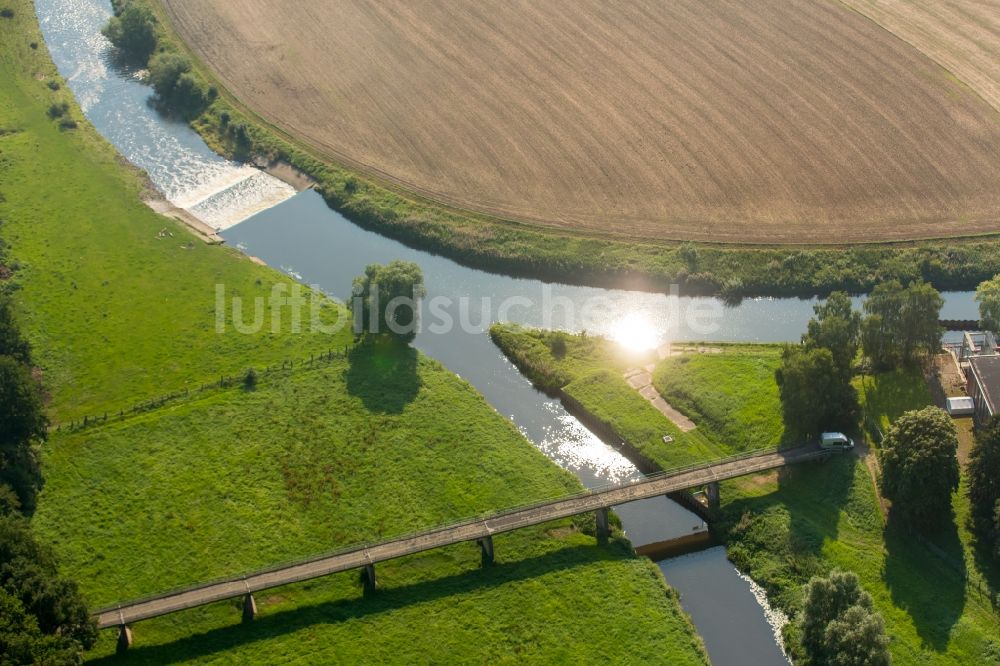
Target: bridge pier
column 603, row 525
column 486, row 550
column 249, row 608
column 713, row 496
column 124, row 639
column 368, row 578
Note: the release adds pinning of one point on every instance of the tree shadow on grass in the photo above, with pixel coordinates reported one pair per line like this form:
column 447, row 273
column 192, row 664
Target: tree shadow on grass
column 383, row 374
column 987, row 561
column 778, row 538
column 925, row 575
column 269, row 626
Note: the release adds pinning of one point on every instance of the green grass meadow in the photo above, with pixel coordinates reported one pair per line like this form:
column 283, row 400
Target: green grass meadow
column 236, row 480
column 591, row 371
column 118, row 312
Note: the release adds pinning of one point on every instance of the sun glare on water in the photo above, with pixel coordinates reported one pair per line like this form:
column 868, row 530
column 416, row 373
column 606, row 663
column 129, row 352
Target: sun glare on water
column 635, row 333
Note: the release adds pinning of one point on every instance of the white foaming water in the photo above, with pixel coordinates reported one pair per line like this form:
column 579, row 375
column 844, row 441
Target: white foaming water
column 217, row 191
column 775, row 617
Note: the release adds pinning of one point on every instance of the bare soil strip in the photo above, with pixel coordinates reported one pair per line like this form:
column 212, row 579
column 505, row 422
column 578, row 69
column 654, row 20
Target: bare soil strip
column 778, row 121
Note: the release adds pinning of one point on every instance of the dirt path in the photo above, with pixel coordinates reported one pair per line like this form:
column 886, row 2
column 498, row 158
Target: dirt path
column 641, row 379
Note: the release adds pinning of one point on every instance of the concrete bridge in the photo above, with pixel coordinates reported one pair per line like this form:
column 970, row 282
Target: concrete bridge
column 481, row 529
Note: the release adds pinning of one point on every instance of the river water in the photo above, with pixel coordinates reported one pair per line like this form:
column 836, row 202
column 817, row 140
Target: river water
column 300, row 235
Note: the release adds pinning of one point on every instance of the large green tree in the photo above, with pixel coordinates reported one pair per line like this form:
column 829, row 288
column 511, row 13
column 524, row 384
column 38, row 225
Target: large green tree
column 814, row 393
column 988, row 296
column 22, row 425
column 901, row 323
column 386, row 299
column 837, row 327
column 12, row 343
column 133, row 32
column 983, row 472
column 43, row 604
column 838, row 625
column 857, row 638
column 920, row 466
column 177, row 87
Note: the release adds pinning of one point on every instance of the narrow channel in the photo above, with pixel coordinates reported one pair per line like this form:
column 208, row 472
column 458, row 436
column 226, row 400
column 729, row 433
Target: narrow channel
column 300, row 235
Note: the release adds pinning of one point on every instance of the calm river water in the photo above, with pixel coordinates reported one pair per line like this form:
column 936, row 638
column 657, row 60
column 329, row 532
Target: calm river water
column 303, row 237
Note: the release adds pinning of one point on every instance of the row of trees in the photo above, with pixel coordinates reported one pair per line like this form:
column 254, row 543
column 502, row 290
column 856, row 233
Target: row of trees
column 133, row 31
column 983, row 471
column 899, row 326
column 42, row 617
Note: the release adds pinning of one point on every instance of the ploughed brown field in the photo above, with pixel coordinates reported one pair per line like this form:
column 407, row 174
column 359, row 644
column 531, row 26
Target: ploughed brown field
column 786, row 121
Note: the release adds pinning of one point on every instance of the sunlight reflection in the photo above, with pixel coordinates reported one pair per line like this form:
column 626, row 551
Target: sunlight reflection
column 635, row 333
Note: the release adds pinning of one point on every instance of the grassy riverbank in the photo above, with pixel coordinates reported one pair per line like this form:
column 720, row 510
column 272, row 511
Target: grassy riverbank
column 119, row 303
column 783, row 527
column 590, row 370
column 524, row 249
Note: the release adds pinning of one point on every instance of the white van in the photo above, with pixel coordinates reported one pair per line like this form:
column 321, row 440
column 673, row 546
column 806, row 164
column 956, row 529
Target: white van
column 836, row 441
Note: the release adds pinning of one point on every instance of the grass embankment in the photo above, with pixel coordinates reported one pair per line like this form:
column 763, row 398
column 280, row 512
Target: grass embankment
column 591, row 372
column 783, row 527
column 522, row 249
column 731, row 391
column 227, row 480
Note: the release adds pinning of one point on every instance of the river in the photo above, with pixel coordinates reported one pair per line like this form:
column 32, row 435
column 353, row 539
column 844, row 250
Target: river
column 300, row 235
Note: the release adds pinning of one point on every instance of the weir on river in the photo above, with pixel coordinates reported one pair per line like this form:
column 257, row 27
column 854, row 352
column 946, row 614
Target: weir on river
column 301, row 235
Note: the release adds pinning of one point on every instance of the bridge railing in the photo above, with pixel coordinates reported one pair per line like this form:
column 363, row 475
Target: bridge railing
column 538, row 504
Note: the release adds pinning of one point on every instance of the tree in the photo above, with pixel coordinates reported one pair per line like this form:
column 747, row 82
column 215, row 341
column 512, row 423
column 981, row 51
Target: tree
column 837, row 327
column 176, row 86
column 386, row 299
column 133, row 32
column 857, row 638
column 31, row 588
column 988, row 297
column 12, row 343
column 983, row 473
column 838, row 625
column 814, row 392
column 920, row 465
column 901, row 324
column 22, row 425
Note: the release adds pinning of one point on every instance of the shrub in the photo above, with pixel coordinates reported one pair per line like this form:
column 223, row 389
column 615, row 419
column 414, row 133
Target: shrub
column 58, row 109
column 250, row 380
column 53, row 85
column 67, row 124
column 7, row 13
column 557, row 344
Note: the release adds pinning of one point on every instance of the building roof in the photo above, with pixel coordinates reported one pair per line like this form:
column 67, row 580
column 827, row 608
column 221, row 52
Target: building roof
column 987, row 370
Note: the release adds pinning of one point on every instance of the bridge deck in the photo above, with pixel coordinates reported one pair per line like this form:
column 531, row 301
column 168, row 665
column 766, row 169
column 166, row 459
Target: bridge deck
column 470, row 530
